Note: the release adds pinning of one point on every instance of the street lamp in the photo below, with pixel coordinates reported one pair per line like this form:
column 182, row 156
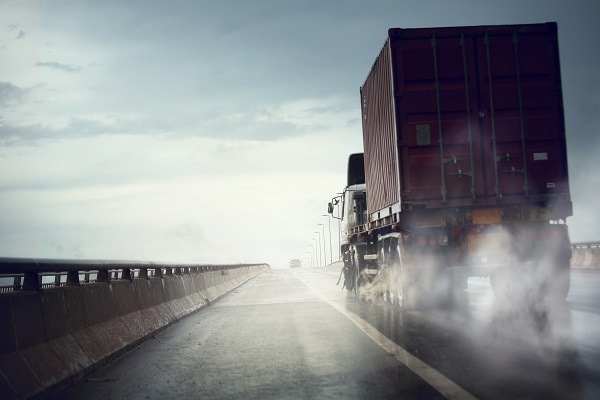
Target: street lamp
column 312, row 255
column 306, row 258
column 320, row 250
column 330, row 248
column 317, row 254
column 324, row 250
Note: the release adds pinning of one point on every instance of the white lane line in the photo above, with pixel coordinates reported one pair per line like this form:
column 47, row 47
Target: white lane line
column 441, row 383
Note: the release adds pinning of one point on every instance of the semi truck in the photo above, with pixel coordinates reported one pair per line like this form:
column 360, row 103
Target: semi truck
column 464, row 167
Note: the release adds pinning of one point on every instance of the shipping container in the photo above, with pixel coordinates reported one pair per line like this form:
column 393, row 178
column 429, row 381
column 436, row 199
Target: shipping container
column 465, row 167
column 465, row 117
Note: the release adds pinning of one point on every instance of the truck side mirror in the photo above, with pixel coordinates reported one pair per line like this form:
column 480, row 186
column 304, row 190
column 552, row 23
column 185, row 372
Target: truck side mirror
column 330, row 208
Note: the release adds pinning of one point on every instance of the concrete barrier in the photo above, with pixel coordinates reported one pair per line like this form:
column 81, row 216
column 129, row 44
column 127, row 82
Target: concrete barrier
column 585, row 257
column 52, row 338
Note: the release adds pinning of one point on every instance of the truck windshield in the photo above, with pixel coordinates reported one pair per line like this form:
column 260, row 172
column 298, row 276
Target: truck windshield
column 354, row 207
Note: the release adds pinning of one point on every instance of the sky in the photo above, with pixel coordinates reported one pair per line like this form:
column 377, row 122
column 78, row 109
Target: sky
column 218, row 131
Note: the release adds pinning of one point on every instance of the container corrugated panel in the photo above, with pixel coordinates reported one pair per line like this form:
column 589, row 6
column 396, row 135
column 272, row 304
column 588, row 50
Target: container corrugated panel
column 477, row 118
column 379, row 134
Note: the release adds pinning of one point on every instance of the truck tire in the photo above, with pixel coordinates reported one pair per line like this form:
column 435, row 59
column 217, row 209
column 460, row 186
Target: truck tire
column 555, row 284
column 348, row 276
column 541, row 282
column 355, row 270
column 386, row 271
column 407, row 301
column 506, row 285
column 408, row 284
column 401, row 290
column 395, row 288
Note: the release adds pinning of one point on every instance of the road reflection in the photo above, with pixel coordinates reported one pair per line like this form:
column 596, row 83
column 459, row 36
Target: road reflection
column 495, row 349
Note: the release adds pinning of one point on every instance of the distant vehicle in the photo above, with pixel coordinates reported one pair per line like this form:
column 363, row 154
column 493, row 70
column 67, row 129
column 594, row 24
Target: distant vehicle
column 464, row 170
column 295, row 263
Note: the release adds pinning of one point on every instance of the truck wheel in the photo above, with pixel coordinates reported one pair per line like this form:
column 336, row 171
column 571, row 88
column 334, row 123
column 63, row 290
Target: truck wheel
column 400, row 288
column 500, row 283
column 348, row 276
column 540, row 282
column 354, row 259
column 555, row 284
column 516, row 284
column 386, row 272
column 408, row 299
column 394, row 282
column 391, row 294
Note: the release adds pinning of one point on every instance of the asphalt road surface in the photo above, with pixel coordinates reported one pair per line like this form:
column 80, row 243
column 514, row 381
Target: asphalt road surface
column 295, row 334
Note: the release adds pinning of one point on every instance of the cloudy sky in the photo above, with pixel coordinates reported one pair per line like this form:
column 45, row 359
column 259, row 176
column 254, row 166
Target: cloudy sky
column 217, row 131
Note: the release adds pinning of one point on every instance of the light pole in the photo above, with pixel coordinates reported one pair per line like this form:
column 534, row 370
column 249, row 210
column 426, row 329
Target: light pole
column 324, row 249
column 317, row 254
column 320, row 250
column 330, row 248
column 306, row 258
column 312, row 255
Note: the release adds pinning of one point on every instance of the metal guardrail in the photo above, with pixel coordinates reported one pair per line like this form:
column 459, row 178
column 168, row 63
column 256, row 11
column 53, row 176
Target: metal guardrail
column 585, row 245
column 29, row 273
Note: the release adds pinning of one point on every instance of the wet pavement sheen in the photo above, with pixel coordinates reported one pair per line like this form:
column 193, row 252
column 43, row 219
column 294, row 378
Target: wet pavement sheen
column 281, row 336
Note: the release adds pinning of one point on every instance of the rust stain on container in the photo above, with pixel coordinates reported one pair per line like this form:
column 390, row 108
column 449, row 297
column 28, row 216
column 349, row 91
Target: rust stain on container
column 487, row 215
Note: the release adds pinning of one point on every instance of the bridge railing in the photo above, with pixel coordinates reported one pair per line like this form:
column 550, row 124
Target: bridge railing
column 585, row 254
column 35, row 274
column 585, row 245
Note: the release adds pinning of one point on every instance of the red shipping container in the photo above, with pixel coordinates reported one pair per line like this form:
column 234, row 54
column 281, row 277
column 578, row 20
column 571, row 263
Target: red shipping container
column 465, row 117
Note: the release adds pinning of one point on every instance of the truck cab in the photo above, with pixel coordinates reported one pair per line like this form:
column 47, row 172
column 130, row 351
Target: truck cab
column 354, row 209
column 355, row 242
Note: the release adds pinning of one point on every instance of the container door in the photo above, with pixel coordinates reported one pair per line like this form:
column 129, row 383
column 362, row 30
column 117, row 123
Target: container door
column 439, row 137
column 523, row 148
column 480, row 118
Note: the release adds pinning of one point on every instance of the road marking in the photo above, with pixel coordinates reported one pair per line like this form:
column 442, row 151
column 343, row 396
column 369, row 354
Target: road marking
column 441, row 383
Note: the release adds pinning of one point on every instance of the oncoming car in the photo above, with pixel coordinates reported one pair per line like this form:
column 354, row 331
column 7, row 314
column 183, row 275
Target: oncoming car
column 295, row 263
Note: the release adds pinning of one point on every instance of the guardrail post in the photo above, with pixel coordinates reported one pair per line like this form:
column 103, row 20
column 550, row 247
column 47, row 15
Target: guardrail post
column 72, row 278
column 31, row 281
column 168, row 271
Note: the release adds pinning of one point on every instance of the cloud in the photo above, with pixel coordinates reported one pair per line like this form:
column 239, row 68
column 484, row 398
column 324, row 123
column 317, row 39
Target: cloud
column 12, row 134
column 64, row 249
column 342, row 107
column 60, row 67
column 190, row 232
column 247, row 111
column 11, row 94
column 259, row 123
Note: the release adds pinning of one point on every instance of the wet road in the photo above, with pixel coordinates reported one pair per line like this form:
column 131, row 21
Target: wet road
column 295, row 334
